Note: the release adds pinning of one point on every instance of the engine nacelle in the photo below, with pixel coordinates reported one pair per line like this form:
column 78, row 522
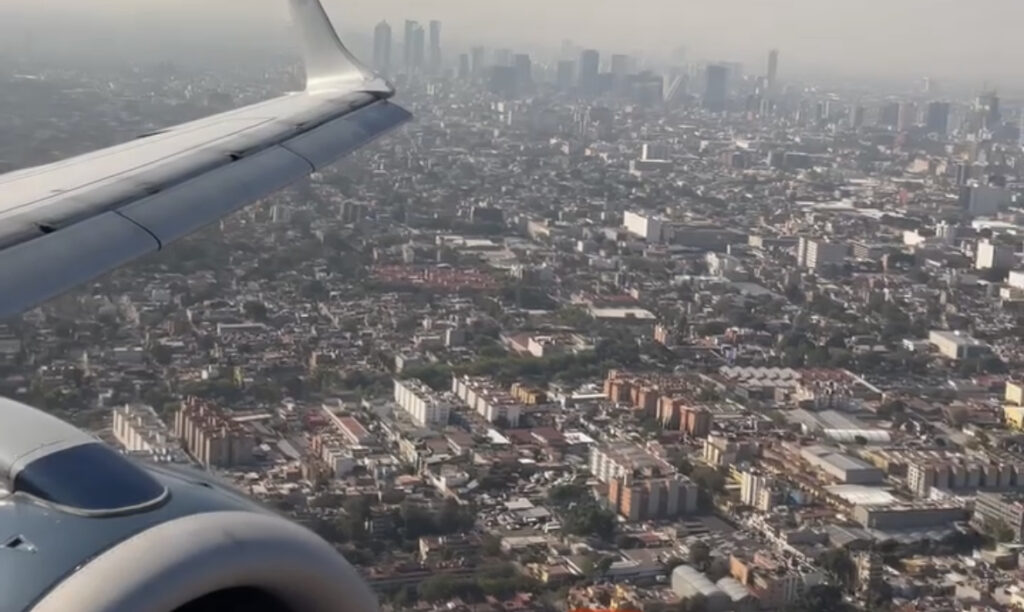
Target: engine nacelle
column 84, row 528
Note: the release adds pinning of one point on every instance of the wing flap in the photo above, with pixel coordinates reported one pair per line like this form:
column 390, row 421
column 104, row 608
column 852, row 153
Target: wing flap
column 191, row 206
column 38, row 270
column 335, row 139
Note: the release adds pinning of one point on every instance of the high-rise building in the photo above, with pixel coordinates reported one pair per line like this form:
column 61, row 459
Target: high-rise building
column 856, row 116
column 773, row 69
column 696, row 422
column 716, row 87
column 907, row 116
column 752, row 483
column 524, row 71
column 937, row 119
column 889, row 114
column 564, row 75
column 464, row 66
column 435, row 46
column 407, row 43
column 590, row 62
column 991, row 255
column 418, row 48
column 414, row 43
column 503, row 81
column 477, row 60
column 503, row 57
column 382, row 47
column 620, row 65
column 983, row 200
column 987, row 105
column 816, row 254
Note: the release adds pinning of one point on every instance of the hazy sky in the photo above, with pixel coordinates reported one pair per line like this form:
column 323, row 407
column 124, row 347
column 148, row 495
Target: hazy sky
column 975, row 39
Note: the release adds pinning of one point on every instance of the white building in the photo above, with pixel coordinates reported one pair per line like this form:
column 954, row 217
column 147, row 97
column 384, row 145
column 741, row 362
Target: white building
column 488, row 400
column 816, row 254
column 1016, row 279
column 752, row 484
column 424, row 405
column 141, row 431
column 649, row 227
column 991, row 255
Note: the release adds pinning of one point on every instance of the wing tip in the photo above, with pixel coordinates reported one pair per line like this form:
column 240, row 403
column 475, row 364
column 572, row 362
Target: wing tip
column 329, row 64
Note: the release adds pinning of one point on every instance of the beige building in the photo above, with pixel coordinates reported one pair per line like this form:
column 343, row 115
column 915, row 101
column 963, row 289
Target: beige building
column 211, row 436
column 955, row 345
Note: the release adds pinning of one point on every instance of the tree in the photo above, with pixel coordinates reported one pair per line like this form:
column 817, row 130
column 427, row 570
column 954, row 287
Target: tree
column 564, row 495
column 718, row 569
column 491, row 546
column 162, row 354
column 839, row 565
column 604, row 565
column 820, row 598
column 998, row 530
column 694, row 603
column 257, row 311
column 588, row 519
column 700, row 555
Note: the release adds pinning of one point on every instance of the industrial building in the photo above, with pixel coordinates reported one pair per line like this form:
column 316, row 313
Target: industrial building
column 1000, row 508
column 688, row 582
column 845, row 469
column 920, row 515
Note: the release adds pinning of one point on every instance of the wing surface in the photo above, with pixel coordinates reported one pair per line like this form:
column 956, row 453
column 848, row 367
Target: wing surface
column 66, row 223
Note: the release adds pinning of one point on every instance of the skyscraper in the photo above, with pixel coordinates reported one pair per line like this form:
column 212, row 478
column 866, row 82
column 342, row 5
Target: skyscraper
column 773, row 69
column 889, row 114
column 524, row 72
column 407, row 43
column 477, row 55
column 503, row 57
column 414, row 46
column 620, row 65
column 717, row 77
column 382, row 47
column 564, row 76
column 435, row 46
column 937, row 119
column 987, row 105
column 464, row 66
column 418, row 48
column 590, row 62
column 907, row 116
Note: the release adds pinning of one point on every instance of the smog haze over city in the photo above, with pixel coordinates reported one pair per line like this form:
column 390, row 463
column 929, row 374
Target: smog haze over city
column 665, row 305
column 867, row 39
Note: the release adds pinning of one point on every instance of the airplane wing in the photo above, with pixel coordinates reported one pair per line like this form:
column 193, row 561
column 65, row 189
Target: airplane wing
column 64, row 224
column 83, row 527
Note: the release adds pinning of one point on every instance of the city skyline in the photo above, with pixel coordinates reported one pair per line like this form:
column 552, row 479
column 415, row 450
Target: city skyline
column 915, row 38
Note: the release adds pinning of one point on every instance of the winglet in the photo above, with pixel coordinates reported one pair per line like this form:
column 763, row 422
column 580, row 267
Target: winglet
column 329, row 64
